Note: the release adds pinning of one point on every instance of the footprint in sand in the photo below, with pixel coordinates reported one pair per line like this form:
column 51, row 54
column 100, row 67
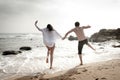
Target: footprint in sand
column 84, row 70
column 101, row 78
column 104, row 78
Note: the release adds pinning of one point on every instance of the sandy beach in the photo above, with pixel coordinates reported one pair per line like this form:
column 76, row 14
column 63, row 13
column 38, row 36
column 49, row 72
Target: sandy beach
column 105, row 70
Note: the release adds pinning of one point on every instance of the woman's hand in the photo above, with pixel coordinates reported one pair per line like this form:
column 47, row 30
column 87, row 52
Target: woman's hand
column 36, row 22
column 37, row 26
column 63, row 38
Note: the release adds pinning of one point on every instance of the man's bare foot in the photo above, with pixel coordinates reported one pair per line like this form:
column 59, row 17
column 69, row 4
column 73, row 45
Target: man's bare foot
column 46, row 60
column 50, row 67
column 81, row 64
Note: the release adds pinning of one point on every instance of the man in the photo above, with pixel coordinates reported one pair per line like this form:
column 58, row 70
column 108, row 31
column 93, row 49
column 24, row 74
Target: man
column 79, row 31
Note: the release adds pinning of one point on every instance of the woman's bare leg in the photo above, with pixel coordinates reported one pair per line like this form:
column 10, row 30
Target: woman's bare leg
column 47, row 60
column 48, row 52
column 51, row 56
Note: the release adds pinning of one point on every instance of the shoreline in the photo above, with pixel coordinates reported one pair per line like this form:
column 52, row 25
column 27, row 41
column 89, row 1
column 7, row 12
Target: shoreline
column 105, row 70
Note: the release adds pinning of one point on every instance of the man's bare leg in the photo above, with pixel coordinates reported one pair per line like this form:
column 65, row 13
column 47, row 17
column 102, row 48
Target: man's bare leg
column 80, row 56
column 90, row 46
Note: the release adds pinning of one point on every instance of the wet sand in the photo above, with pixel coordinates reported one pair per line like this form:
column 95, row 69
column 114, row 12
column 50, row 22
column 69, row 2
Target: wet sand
column 105, row 70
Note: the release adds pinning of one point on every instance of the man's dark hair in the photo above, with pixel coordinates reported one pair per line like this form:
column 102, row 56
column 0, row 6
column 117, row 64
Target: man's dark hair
column 49, row 27
column 77, row 24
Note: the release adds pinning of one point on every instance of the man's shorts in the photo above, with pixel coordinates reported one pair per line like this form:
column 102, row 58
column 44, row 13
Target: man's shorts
column 81, row 44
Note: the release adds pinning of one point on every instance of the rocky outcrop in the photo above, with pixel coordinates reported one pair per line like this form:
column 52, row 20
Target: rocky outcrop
column 105, row 35
column 11, row 52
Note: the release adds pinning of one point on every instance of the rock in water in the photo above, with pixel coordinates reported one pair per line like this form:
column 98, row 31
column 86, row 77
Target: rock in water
column 11, row 52
column 116, row 46
column 25, row 48
column 71, row 38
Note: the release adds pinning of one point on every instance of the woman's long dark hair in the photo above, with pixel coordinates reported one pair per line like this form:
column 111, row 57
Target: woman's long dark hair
column 49, row 27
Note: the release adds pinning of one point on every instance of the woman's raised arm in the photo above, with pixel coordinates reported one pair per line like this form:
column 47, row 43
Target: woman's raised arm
column 37, row 26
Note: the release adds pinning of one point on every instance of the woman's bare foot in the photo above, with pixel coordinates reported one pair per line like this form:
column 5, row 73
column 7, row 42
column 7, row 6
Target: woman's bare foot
column 47, row 60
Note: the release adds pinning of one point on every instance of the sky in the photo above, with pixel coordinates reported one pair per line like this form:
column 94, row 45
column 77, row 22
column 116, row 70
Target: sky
column 18, row 16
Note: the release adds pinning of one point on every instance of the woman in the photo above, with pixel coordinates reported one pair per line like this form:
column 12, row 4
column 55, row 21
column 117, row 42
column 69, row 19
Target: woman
column 49, row 38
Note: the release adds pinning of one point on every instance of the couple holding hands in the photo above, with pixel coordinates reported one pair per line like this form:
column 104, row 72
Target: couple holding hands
column 50, row 35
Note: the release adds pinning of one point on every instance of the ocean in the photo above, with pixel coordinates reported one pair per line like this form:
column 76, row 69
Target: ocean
column 34, row 61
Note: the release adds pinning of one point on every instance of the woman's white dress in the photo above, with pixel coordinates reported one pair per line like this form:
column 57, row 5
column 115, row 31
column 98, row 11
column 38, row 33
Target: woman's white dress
column 50, row 37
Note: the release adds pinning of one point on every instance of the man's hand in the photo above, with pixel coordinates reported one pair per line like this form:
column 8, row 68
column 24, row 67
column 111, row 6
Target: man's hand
column 89, row 26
